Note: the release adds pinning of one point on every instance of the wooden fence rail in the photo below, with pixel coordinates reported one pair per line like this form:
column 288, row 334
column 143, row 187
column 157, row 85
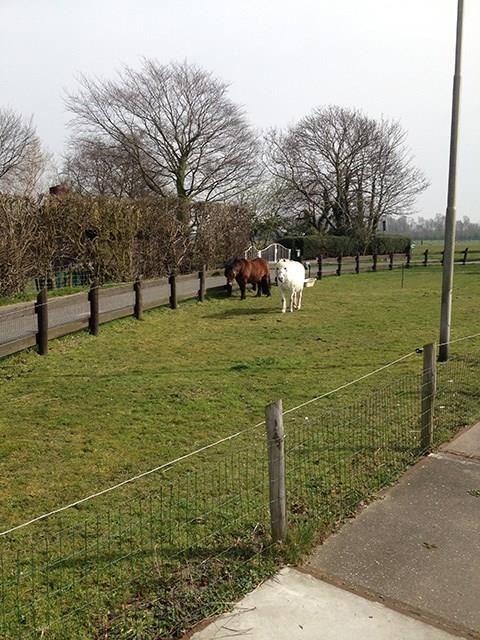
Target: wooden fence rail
column 28, row 324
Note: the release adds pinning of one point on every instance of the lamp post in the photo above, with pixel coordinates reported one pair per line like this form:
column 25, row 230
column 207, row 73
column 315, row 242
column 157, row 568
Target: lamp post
column 449, row 242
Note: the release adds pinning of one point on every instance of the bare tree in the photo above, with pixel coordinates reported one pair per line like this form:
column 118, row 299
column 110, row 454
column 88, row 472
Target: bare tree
column 339, row 171
column 95, row 166
column 22, row 160
column 177, row 124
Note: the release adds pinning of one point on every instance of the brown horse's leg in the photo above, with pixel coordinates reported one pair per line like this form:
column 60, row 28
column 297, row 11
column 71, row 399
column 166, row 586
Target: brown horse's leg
column 243, row 285
column 259, row 288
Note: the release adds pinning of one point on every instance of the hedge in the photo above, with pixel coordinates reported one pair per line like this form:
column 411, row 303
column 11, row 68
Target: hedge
column 331, row 246
column 114, row 239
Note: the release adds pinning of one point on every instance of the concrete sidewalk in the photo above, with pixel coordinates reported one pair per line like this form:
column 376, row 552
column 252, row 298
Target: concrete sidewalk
column 419, row 546
column 406, row 568
column 297, row 606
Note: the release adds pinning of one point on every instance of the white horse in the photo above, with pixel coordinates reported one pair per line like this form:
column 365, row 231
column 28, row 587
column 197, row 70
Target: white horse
column 291, row 279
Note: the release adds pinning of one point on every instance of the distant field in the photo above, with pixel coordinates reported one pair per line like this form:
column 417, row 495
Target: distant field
column 436, row 246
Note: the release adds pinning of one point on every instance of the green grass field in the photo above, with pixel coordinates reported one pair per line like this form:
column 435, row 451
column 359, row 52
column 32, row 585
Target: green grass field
column 98, row 410
column 144, row 392
column 436, row 246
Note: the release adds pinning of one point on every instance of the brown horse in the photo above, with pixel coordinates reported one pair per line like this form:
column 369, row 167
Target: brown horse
column 255, row 272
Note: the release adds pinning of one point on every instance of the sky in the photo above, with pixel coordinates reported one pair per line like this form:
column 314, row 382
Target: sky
column 282, row 58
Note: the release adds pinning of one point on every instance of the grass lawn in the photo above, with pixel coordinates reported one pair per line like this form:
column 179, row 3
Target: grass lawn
column 98, row 410
column 436, row 247
column 144, row 392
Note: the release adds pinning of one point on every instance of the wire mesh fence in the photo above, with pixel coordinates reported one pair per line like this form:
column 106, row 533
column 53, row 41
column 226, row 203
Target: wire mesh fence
column 338, row 456
column 151, row 558
column 458, row 391
column 191, row 525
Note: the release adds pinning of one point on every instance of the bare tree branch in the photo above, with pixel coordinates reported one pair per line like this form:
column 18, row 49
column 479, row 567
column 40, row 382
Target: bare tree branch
column 177, row 125
column 342, row 171
column 22, row 161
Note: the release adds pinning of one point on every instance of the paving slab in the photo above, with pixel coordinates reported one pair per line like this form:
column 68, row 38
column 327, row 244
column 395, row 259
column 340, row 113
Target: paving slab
column 466, row 444
column 296, row 606
column 419, row 545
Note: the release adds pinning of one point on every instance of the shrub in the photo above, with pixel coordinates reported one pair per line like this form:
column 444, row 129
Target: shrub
column 331, row 246
column 114, row 239
column 390, row 244
column 18, row 230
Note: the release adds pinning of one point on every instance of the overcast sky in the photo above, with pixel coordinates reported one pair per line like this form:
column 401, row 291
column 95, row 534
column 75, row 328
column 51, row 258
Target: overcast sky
column 281, row 57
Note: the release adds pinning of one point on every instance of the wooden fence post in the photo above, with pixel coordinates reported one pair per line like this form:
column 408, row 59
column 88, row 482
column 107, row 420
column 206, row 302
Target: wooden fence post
column 138, row 306
column 173, row 291
column 425, row 258
column 429, row 387
column 320, row 264
column 41, row 309
column 441, row 261
column 357, row 263
column 276, row 470
column 409, row 257
column 201, row 288
column 465, row 256
column 339, row 265
column 374, row 262
column 390, row 262
column 93, row 321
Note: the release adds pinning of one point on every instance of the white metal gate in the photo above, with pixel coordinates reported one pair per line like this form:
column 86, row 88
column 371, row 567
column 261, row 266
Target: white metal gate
column 272, row 253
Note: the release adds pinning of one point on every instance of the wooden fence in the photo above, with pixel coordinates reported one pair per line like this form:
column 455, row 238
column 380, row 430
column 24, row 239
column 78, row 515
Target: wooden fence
column 326, row 266
column 31, row 324
column 36, row 323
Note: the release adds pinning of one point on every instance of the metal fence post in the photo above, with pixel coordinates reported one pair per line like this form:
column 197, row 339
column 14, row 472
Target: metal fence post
column 429, row 387
column 41, row 309
column 320, row 264
column 276, row 470
column 173, row 291
column 138, row 306
column 201, row 289
column 93, row 321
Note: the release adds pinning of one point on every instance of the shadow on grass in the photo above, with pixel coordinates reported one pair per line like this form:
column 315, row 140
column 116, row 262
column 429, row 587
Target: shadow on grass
column 243, row 311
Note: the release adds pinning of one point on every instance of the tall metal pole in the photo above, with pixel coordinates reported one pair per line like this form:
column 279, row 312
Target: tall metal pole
column 449, row 246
